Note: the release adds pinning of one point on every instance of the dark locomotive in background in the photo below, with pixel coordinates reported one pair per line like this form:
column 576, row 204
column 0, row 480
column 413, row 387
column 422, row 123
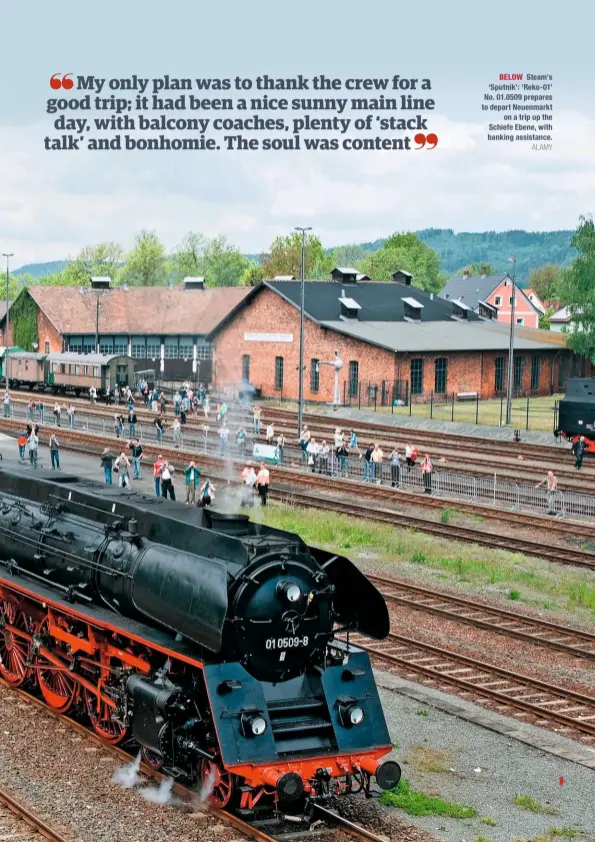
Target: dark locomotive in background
column 576, row 412
column 204, row 638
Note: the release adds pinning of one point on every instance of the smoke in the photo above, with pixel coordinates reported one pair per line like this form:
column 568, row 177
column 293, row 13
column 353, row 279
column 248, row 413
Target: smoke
column 207, row 788
column 228, row 497
column 128, row 776
column 163, row 794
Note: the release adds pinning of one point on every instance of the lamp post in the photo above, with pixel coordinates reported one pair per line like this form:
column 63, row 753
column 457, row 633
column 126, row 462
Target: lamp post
column 7, row 255
column 301, row 368
column 511, row 346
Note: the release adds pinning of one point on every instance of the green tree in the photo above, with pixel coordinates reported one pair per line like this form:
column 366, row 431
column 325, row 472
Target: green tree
column 146, row 263
column 252, row 276
column 285, row 256
column 577, row 290
column 479, row 268
column 104, row 259
column 546, row 279
column 405, row 251
column 189, row 259
column 224, row 265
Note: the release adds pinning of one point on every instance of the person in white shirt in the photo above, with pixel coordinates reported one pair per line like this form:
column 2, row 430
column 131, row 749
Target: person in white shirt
column 167, row 485
column 313, row 449
column 33, row 443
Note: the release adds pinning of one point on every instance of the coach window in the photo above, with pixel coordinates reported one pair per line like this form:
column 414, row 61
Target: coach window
column 314, row 376
column 86, row 370
column 353, row 378
column 535, row 372
column 246, row 368
column 417, row 376
column 95, row 371
column 440, row 369
column 499, row 374
column 278, row 373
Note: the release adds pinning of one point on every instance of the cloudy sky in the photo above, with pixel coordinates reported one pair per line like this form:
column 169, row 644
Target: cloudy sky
column 53, row 203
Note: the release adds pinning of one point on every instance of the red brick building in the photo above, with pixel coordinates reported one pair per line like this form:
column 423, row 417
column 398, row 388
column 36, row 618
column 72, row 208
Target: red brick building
column 391, row 336
column 162, row 328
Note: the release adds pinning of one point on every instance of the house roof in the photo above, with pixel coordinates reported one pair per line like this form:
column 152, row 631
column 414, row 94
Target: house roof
column 379, row 301
column 471, row 288
column 137, row 310
column 561, row 315
column 408, row 337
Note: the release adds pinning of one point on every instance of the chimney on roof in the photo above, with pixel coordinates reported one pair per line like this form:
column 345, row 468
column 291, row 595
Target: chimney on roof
column 194, row 283
column 402, row 277
column 484, row 271
column 465, row 273
column 100, row 282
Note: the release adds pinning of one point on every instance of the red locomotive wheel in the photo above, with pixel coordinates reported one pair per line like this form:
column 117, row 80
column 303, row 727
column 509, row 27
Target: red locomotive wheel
column 14, row 650
column 101, row 720
column 57, row 687
column 153, row 760
column 217, row 784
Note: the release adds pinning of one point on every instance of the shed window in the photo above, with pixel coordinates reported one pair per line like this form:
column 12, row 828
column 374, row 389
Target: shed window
column 440, row 369
column 353, row 378
column 417, row 376
column 246, row 368
column 204, row 351
column 153, row 350
column 314, row 376
column 518, row 373
column 47, row 347
column 535, row 372
column 278, row 373
column 186, row 350
column 121, row 347
column 499, row 374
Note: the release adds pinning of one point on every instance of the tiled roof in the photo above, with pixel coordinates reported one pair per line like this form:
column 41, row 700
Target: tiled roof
column 471, row 288
column 137, row 310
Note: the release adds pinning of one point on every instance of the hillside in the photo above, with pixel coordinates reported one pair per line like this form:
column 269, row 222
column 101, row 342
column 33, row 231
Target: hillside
column 456, row 250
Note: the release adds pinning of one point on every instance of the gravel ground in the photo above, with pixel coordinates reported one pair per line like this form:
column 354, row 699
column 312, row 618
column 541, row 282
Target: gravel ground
column 486, row 771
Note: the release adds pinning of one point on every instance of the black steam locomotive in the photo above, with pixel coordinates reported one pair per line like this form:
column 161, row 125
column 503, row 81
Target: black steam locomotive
column 576, row 412
column 204, row 638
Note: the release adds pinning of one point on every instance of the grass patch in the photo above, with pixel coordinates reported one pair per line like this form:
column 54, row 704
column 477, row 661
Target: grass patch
column 446, row 515
column 538, row 582
column 527, row 802
column 563, row 832
column 489, row 821
column 514, row 594
column 482, row 839
column 425, row 759
column 422, row 712
column 419, row 804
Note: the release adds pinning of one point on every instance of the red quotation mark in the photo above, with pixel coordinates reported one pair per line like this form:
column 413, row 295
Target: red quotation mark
column 429, row 140
column 66, row 83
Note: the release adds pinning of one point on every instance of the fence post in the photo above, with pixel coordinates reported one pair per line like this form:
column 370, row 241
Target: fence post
column 452, row 415
column 410, row 402
column 477, row 410
column 501, row 407
column 432, row 405
column 527, row 424
column 375, row 395
column 359, row 395
column 495, row 482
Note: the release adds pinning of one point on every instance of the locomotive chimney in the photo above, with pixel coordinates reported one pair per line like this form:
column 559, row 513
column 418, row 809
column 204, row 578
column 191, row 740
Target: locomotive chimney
column 133, row 526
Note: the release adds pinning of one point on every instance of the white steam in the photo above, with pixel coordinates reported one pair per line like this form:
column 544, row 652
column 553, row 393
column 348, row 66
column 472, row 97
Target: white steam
column 128, row 776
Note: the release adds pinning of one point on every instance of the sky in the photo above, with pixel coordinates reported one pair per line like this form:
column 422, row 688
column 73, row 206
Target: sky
column 52, row 203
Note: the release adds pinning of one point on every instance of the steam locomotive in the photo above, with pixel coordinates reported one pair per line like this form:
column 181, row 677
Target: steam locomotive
column 576, row 412
column 205, row 639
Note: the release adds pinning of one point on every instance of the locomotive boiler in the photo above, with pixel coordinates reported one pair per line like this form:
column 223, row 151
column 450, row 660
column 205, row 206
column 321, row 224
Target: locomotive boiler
column 205, row 639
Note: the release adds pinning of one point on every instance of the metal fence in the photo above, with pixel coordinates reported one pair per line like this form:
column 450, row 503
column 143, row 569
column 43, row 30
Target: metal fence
column 499, row 493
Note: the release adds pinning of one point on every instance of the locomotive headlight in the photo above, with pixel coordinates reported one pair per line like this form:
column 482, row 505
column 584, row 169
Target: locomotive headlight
column 253, row 725
column 351, row 715
column 290, row 591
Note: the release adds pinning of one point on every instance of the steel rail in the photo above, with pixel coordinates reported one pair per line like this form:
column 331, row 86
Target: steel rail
column 572, row 641
column 35, row 822
column 510, row 689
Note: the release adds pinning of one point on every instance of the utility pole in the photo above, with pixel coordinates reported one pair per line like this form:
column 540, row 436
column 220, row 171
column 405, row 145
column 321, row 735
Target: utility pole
column 97, row 326
column 7, row 256
column 511, row 346
column 301, row 366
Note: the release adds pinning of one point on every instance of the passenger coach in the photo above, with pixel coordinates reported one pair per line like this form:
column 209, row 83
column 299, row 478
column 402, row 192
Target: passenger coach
column 70, row 372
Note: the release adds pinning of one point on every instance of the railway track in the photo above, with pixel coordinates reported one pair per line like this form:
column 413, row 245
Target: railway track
column 332, row 821
column 475, row 457
column 511, row 691
column 89, row 444
column 576, row 642
column 577, row 558
column 19, row 823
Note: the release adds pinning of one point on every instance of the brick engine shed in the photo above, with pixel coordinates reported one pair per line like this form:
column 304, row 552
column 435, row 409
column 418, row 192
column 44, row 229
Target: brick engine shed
column 389, row 335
